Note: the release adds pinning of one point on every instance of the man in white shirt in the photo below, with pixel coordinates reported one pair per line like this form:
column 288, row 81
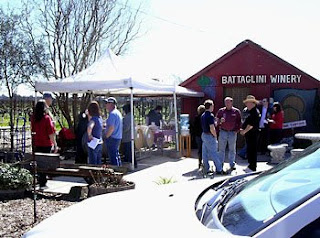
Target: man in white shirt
column 263, row 139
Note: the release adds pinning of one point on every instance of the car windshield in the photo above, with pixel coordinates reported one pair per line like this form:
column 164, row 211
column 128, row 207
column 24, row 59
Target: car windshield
column 272, row 194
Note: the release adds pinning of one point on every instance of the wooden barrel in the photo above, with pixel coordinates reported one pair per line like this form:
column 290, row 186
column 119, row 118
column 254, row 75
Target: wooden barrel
column 139, row 138
column 148, row 136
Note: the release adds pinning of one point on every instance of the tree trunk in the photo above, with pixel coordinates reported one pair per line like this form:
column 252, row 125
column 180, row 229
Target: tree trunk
column 12, row 111
column 75, row 111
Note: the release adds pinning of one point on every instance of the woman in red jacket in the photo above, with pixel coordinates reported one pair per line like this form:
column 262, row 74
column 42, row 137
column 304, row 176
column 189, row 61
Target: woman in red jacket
column 276, row 123
column 44, row 134
column 43, row 129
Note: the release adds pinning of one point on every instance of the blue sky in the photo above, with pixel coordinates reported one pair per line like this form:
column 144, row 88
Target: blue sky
column 184, row 36
column 196, row 33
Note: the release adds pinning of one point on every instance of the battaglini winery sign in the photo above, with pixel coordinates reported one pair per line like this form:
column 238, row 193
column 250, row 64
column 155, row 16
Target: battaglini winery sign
column 261, row 79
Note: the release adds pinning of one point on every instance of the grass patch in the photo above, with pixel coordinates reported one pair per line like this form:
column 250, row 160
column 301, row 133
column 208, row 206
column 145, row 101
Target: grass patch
column 163, row 180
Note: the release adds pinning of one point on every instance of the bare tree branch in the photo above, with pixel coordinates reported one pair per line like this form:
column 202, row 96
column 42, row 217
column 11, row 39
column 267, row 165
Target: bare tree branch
column 76, row 32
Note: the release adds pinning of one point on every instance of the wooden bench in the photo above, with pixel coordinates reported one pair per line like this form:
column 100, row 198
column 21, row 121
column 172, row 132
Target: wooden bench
column 50, row 164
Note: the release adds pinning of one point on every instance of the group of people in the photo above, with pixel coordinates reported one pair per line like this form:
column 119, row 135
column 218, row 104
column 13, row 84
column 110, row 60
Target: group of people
column 118, row 129
column 215, row 133
column 260, row 124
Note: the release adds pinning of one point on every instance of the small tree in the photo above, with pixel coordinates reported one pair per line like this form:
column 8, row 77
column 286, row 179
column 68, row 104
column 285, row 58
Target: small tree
column 75, row 33
column 16, row 60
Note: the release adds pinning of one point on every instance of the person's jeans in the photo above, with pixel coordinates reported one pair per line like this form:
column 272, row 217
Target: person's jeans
column 230, row 138
column 243, row 152
column 95, row 154
column 113, row 145
column 209, row 151
column 128, row 153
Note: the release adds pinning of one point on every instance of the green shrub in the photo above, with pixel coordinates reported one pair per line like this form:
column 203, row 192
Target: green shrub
column 12, row 177
column 163, row 180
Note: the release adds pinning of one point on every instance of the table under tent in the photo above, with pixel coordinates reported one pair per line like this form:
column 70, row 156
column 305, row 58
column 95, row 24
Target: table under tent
column 107, row 77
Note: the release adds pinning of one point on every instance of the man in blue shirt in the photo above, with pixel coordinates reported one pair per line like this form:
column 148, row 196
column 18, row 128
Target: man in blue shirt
column 113, row 131
column 209, row 140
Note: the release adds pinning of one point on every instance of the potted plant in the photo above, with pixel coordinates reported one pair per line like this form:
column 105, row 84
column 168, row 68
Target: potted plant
column 113, row 182
column 13, row 181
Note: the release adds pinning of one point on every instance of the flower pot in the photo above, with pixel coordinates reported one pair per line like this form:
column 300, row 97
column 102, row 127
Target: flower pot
column 97, row 189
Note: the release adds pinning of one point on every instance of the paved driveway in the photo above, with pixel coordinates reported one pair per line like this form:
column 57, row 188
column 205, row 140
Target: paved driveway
column 154, row 166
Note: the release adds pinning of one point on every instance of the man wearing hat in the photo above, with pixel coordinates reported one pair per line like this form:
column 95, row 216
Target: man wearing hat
column 113, row 131
column 250, row 129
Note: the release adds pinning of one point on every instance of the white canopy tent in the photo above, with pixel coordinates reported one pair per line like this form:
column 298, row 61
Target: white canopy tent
column 108, row 76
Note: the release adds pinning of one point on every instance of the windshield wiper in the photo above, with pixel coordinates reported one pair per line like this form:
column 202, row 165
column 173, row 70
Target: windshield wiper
column 233, row 179
column 230, row 192
column 224, row 194
column 226, row 189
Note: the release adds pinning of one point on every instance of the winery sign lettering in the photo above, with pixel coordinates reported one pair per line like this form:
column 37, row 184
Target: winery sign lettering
column 261, row 79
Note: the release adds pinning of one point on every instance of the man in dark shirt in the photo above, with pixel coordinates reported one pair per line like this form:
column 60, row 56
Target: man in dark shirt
column 198, row 132
column 229, row 121
column 250, row 129
column 209, row 140
column 154, row 116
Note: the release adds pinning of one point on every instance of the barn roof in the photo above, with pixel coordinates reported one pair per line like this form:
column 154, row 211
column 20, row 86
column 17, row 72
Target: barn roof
column 240, row 46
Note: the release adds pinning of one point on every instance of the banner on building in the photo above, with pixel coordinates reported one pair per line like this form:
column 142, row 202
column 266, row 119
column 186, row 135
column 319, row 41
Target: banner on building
column 294, row 124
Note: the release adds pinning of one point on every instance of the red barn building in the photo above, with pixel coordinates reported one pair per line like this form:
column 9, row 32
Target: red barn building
column 250, row 69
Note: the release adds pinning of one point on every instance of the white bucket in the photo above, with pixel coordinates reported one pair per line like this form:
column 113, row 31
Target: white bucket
column 185, row 132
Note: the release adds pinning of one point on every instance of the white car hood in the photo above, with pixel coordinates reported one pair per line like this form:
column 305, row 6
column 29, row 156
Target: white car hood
column 162, row 211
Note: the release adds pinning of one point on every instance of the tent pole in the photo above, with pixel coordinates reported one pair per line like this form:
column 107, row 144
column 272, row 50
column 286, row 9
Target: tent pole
column 132, row 128
column 176, row 119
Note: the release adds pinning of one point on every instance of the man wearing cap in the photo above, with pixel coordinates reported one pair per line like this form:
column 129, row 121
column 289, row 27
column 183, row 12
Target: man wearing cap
column 229, row 122
column 113, row 131
column 250, row 129
column 47, row 96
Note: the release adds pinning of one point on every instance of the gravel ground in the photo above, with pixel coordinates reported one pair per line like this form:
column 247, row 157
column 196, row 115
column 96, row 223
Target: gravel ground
column 16, row 216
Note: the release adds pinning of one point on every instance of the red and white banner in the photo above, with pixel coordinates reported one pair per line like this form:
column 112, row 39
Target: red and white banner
column 294, row 124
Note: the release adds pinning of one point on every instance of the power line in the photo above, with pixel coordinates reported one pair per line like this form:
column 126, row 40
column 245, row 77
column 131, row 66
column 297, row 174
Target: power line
column 163, row 19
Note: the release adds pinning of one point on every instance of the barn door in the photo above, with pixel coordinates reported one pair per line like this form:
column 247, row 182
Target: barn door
column 238, row 95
